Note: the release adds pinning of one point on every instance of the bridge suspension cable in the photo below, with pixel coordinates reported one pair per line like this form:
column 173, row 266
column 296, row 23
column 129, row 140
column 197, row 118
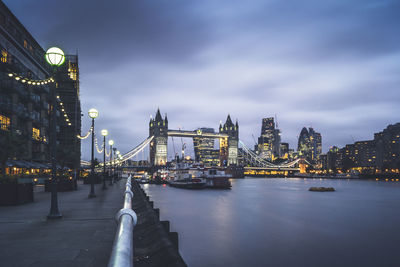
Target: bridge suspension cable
column 130, row 154
column 260, row 162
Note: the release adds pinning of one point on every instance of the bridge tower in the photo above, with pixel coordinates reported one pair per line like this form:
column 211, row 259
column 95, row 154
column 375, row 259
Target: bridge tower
column 229, row 146
column 158, row 127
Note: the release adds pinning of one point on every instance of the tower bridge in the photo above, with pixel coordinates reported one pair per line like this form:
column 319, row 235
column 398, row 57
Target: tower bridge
column 197, row 133
column 228, row 152
column 228, row 135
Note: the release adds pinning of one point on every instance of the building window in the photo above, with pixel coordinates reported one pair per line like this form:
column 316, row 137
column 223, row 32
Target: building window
column 72, row 71
column 4, row 123
column 36, row 134
column 2, row 19
column 25, row 43
column 4, row 56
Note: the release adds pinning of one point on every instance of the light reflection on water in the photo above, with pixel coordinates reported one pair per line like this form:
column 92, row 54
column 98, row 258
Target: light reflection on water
column 278, row 222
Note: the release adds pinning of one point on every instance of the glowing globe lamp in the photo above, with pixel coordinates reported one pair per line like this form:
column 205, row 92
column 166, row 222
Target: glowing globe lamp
column 55, row 56
column 104, row 132
column 93, row 113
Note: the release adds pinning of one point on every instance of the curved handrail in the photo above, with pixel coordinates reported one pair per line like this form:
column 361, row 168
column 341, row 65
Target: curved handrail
column 122, row 251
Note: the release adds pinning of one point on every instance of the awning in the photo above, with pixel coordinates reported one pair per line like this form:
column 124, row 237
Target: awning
column 43, row 166
column 20, row 164
column 10, row 163
column 29, row 165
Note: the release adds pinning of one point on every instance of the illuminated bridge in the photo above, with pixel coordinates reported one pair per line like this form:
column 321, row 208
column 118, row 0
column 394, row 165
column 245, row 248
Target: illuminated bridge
column 199, row 133
column 229, row 151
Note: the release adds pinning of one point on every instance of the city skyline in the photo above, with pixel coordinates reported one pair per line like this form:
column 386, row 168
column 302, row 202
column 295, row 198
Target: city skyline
column 332, row 66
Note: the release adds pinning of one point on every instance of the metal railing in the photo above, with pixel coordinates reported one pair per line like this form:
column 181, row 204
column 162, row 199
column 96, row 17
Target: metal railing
column 122, row 251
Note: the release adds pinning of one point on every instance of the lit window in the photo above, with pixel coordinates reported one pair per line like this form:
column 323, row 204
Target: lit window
column 25, row 44
column 72, row 71
column 36, row 134
column 4, row 123
column 4, row 56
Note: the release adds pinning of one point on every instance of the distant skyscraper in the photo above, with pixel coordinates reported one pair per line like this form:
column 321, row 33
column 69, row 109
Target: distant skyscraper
column 204, row 148
column 368, row 157
column 269, row 142
column 309, row 144
column 388, row 148
column 284, row 150
column 334, row 159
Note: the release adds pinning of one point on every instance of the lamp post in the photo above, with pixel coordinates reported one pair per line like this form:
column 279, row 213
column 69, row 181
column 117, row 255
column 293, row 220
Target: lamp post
column 55, row 57
column 111, row 142
column 114, row 170
column 93, row 113
column 104, row 133
column 118, row 153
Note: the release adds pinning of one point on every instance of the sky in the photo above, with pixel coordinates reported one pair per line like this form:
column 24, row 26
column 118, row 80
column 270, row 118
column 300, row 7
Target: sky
column 333, row 65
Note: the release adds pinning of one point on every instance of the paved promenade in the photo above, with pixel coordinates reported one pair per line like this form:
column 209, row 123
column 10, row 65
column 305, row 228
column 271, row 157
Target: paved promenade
column 83, row 237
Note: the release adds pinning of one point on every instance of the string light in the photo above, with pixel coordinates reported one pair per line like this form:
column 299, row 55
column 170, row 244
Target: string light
column 38, row 82
column 85, row 136
column 30, row 82
column 97, row 147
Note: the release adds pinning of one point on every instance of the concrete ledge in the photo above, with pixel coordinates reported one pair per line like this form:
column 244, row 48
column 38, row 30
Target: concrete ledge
column 154, row 245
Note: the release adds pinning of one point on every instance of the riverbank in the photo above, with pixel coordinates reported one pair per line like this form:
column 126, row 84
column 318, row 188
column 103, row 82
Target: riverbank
column 154, row 244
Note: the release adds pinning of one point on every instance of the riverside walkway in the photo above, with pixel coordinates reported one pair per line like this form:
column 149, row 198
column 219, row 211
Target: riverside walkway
column 83, row 237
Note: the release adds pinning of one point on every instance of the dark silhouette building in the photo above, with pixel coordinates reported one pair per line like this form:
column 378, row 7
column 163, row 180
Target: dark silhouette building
column 388, row 148
column 380, row 155
column 26, row 81
column 68, row 94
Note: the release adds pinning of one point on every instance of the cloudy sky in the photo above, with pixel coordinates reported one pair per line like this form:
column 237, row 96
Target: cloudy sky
column 333, row 65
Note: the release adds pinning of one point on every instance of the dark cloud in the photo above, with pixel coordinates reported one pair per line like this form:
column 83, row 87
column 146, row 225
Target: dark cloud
column 330, row 64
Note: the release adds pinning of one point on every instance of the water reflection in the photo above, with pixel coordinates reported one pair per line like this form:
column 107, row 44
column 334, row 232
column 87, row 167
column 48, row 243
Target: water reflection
column 278, row 222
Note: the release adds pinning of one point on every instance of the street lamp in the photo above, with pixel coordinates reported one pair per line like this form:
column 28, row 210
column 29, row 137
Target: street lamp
column 93, row 113
column 104, row 133
column 111, row 143
column 115, row 157
column 118, row 154
column 55, row 57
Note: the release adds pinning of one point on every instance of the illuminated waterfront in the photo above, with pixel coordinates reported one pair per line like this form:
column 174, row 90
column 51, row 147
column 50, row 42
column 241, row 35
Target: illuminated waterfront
column 278, row 222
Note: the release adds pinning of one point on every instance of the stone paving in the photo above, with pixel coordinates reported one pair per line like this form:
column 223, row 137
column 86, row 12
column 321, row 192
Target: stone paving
column 83, row 237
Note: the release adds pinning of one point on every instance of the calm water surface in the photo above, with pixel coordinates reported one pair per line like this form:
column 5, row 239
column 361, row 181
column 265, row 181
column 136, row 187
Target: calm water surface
column 278, row 222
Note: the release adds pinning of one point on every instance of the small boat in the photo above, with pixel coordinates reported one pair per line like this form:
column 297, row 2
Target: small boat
column 322, row 189
column 196, row 176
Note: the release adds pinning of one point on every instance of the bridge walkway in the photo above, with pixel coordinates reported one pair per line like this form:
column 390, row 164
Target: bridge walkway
column 83, row 237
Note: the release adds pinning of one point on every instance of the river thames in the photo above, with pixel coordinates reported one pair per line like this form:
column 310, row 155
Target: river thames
column 278, row 222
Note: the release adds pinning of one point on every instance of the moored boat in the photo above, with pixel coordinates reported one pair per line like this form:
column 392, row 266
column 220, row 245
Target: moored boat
column 188, row 183
column 217, row 179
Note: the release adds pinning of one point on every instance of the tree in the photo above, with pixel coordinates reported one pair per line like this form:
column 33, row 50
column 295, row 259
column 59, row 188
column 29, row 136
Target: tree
column 66, row 156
